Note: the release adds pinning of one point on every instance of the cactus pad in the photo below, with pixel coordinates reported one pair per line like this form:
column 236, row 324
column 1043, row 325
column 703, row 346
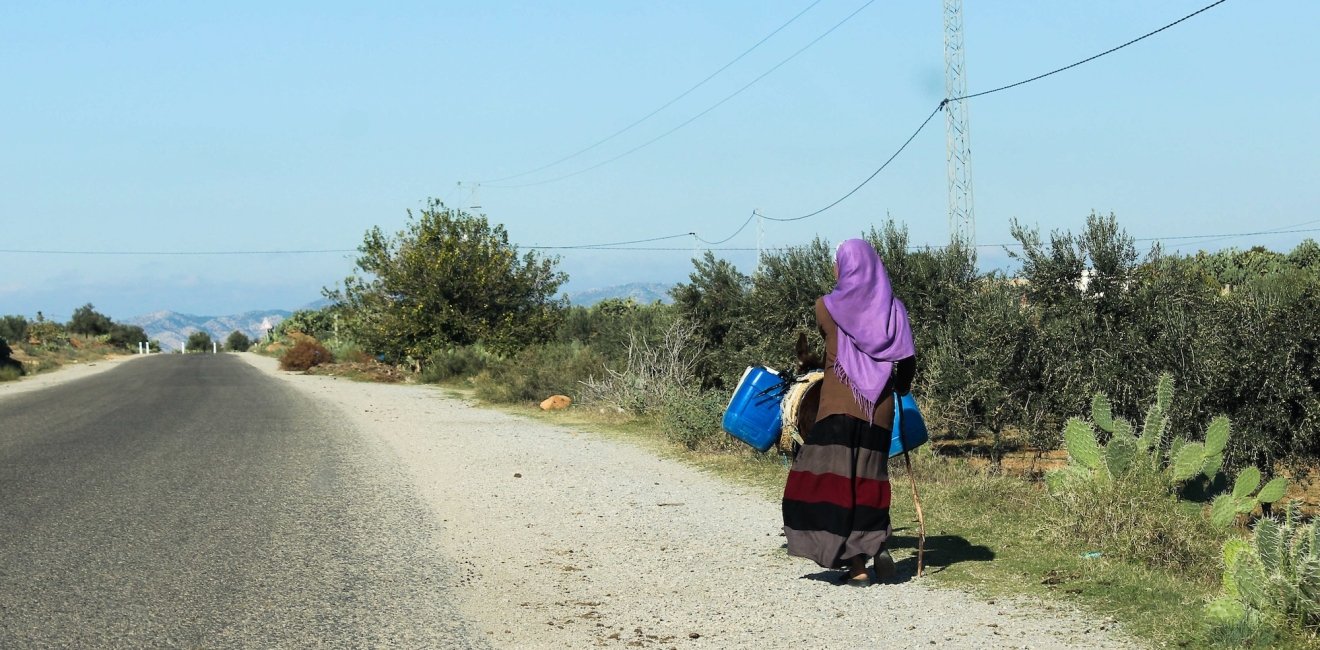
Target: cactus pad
column 1080, row 440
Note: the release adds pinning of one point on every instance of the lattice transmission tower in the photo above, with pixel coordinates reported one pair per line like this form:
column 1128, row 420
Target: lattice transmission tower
column 962, row 221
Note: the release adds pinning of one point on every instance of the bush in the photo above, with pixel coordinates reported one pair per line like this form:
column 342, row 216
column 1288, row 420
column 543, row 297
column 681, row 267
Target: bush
column 238, row 342
column 47, row 334
column 126, row 336
column 652, row 369
column 1136, row 519
column 316, row 323
column 305, row 354
column 9, row 368
column 443, row 365
column 198, row 342
column 538, row 372
column 13, row 328
column 691, row 418
column 86, row 320
column 348, row 352
column 449, row 278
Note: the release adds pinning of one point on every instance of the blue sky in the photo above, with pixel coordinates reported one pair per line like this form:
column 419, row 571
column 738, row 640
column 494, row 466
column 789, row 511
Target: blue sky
column 178, row 127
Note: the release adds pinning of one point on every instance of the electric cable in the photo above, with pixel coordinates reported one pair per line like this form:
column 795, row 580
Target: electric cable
column 873, row 174
column 735, row 233
column 623, row 245
column 607, row 246
column 698, row 115
column 1091, row 58
column 667, row 104
column 946, row 101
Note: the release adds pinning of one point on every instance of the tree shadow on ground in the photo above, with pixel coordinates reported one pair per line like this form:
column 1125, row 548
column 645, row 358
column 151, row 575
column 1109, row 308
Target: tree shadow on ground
column 942, row 551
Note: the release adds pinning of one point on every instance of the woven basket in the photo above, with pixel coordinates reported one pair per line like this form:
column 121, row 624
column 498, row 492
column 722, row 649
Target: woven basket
column 799, row 408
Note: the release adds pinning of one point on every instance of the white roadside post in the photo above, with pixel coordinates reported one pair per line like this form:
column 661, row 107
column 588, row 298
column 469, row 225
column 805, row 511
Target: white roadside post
column 215, row 348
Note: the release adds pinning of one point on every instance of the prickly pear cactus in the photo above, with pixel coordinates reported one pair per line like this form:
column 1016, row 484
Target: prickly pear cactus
column 1275, row 574
column 1079, row 438
column 1183, row 461
column 1244, row 498
column 1102, row 413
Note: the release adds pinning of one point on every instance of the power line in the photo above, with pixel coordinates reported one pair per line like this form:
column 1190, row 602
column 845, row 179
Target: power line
column 944, row 103
column 622, row 245
column 667, row 104
column 614, row 244
column 1091, row 58
column 735, row 233
column 941, row 246
column 698, row 115
column 873, row 174
column 628, row 245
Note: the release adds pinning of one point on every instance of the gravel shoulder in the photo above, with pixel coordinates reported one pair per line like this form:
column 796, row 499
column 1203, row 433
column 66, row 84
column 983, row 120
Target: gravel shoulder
column 64, row 374
column 563, row 538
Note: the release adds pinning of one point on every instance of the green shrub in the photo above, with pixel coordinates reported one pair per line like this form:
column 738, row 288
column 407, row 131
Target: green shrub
column 451, row 363
column 199, row 342
column 9, row 368
column 86, row 320
column 13, row 328
column 47, row 334
column 538, row 372
column 316, row 323
column 691, row 417
column 1136, row 519
column 305, row 354
column 126, row 336
column 346, row 351
column 238, row 342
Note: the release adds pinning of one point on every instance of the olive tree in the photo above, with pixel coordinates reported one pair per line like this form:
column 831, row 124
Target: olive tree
column 86, row 320
column 199, row 342
column 449, row 278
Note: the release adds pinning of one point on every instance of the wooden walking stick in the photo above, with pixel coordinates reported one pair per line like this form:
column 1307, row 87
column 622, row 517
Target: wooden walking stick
column 912, row 478
column 921, row 520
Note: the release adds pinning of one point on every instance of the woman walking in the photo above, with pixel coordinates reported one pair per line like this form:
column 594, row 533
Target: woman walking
column 836, row 501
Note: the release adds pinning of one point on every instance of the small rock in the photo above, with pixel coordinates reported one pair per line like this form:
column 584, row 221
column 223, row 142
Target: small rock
column 517, row 475
column 694, row 635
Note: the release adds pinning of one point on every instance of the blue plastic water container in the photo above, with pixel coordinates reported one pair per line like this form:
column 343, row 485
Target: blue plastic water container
column 753, row 415
column 909, row 430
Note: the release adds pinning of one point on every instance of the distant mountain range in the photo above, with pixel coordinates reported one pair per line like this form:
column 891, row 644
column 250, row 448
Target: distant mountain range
column 172, row 329
column 642, row 292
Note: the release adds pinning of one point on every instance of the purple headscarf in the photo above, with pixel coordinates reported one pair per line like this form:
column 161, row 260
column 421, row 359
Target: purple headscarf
column 874, row 332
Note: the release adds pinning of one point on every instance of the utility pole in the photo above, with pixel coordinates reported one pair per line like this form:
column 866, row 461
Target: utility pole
column 957, row 129
column 760, row 235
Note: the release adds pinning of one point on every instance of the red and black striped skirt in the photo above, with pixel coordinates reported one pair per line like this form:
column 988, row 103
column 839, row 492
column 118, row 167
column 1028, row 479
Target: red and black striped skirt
column 836, row 501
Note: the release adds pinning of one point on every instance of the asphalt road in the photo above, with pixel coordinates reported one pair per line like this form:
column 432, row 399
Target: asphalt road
column 191, row 501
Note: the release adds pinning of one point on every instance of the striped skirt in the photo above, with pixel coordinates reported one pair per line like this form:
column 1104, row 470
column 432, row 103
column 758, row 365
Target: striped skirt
column 836, row 501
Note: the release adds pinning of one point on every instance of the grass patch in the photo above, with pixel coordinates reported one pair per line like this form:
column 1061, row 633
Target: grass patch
column 992, row 535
